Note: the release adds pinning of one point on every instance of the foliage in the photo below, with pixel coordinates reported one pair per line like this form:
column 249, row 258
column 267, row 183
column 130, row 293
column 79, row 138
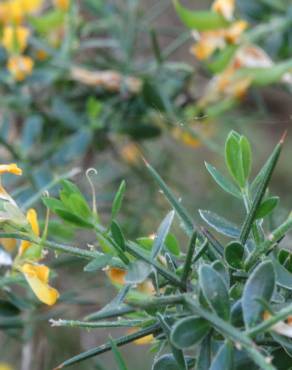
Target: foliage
column 227, row 299
column 236, row 46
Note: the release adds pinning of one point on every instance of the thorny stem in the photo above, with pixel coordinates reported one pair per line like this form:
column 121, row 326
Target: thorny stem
column 263, row 248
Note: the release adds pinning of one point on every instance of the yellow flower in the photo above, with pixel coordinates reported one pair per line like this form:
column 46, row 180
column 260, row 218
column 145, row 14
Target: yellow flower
column 225, row 8
column 130, row 153
column 5, row 366
column 210, row 41
column 20, row 66
column 3, row 12
column 14, row 11
column 10, row 168
column 62, row 4
column 142, row 341
column 31, row 217
column 37, row 277
column 41, row 55
column 15, row 39
column 234, row 32
column 281, row 327
column 9, row 245
column 207, row 43
column 31, row 6
column 116, row 275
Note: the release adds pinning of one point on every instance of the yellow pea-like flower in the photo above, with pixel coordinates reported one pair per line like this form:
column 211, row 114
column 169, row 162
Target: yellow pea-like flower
column 116, row 275
column 32, row 219
column 31, row 6
column 142, row 341
column 225, row 8
column 62, row 4
column 14, row 39
column 9, row 245
column 20, row 66
column 10, row 168
column 37, row 277
column 15, row 12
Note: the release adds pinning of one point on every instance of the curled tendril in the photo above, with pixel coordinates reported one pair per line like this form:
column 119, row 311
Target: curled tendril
column 88, row 173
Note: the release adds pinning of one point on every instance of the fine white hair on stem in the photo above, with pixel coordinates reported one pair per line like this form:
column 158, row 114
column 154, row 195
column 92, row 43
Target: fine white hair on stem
column 89, row 172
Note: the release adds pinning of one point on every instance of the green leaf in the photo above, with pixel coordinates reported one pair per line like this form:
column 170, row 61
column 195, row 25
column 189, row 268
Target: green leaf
column 162, row 234
column 234, row 254
column 138, row 272
column 246, row 156
column 53, row 203
column 118, row 200
column 98, row 263
column 189, row 331
column 204, row 355
column 73, row 219
column 200, row 20
column 224, row 358
column 283, row 276
column 233, row 158
column 215, row 291
column 79, row 206
column 119, row 359
column 221, row 60
column 165, row 362
column 260, row 285
column 171, row 243
column 223, row 182
column 266, row 207
column 260, row 192
column 45, row 23
column 265, row 76
column 220, row 224
column 117, row 235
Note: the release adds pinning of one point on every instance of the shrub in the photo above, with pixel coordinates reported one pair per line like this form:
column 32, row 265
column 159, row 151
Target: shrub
column 224, row 304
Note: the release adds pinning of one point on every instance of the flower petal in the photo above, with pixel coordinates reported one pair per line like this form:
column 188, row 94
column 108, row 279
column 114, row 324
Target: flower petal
column 10, row 168
column 37, row 277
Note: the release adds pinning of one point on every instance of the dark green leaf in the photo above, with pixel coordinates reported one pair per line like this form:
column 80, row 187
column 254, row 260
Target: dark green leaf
column 73, row 219
column 189, row 331
column 117, row 235
column 234, row 253
column 260, row 285
column 224, row 358
column 117, row 203
column 266, row 207
column 215, row 291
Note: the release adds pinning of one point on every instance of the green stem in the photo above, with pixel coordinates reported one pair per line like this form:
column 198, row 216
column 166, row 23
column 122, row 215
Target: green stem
column 235, row 335
column 269, row 323
column 268, row 244
column 153, row 329
column 171, row 277
column 187, row 268
column 157, row 302
column 98, row 324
